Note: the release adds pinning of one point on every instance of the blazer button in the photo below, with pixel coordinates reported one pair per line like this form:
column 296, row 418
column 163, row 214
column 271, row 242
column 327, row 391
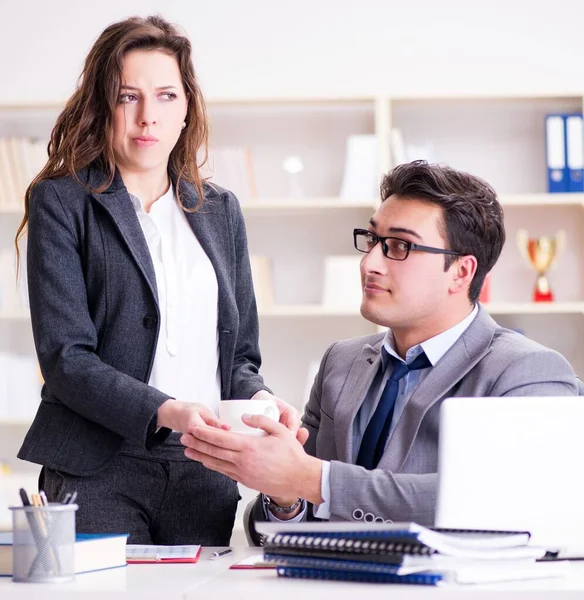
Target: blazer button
column 149, row 322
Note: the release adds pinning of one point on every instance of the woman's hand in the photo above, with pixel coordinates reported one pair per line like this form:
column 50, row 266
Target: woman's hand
column 185, row 416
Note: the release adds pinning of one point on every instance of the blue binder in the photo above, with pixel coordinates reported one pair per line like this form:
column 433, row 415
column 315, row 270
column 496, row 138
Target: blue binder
column 308, row 573
column 575, row 152
column 556, row 150
column 365, row 564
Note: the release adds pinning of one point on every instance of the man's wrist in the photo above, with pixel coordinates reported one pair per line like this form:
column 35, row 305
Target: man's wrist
column 283, row 501
column 278, row 505
column 311, row 480
column 281, row 512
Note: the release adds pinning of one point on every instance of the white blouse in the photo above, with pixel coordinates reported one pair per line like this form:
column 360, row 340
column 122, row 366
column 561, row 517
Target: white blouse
column 186, row 364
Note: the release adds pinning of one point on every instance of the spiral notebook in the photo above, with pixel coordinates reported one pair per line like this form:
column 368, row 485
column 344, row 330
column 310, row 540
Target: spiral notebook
column 361, row 576
column 395, row 538
column 408, row 565
column 335, row 564
column 373, row 550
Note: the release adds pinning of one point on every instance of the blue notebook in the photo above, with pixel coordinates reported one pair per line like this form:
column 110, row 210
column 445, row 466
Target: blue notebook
column 334, row 564
column 333, row 575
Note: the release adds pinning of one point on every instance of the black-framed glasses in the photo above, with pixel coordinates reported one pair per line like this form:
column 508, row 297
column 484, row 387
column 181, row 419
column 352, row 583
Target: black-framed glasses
column 393, row 247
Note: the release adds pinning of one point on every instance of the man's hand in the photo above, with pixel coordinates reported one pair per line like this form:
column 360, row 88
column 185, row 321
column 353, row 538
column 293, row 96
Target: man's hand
column 185, row 416
column 275, row 464
column 289, row 416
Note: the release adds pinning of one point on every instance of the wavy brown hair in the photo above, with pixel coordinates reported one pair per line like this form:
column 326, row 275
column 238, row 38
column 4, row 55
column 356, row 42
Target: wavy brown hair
column 83, row 133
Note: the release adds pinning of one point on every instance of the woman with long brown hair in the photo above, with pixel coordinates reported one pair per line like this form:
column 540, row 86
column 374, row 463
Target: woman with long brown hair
column 142, row 304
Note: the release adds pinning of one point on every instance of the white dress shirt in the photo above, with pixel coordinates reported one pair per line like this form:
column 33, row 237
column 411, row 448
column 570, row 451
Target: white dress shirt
column 435, row 348
column 186, row 363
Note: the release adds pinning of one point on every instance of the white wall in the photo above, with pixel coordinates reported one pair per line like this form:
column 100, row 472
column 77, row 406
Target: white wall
column 270, row 48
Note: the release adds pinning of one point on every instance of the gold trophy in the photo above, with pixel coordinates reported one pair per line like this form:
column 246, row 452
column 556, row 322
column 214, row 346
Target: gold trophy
column 540, row 253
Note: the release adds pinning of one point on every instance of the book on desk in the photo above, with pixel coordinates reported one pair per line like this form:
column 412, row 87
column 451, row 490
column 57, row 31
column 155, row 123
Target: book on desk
column 148, row 554
column 93, row 552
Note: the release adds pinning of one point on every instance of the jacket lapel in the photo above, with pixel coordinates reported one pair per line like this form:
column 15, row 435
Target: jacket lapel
column 117, row 203
column 212, row 228
column 357, row 384
column 466, row 352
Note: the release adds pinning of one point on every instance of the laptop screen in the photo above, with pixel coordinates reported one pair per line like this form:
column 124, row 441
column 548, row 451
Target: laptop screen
column 513, row 464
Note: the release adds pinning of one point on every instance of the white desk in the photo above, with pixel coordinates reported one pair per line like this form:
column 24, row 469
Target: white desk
column 140, row 582
column 212, row 580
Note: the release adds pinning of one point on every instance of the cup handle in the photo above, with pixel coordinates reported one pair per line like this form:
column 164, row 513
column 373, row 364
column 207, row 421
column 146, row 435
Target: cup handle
column 272, row 412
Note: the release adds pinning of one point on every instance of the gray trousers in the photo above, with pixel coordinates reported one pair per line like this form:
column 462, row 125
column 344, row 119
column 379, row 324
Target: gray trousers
column 156, row 501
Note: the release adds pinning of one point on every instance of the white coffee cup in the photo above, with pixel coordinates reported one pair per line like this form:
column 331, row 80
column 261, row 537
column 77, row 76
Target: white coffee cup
column 231, row 411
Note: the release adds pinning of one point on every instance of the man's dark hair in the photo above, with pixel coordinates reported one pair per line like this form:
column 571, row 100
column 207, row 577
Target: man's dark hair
column 472, row 214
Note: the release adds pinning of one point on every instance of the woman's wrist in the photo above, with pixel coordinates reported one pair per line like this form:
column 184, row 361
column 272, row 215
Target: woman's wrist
column 168, row 414
column 262, row 395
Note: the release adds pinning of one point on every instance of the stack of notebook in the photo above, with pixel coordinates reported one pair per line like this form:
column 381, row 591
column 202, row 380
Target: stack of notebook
column 401, row 553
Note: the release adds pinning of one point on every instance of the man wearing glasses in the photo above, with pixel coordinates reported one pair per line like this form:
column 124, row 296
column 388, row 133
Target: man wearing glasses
column 372, row 417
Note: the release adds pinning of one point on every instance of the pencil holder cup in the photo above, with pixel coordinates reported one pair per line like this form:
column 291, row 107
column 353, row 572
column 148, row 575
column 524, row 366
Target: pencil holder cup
column 43, row 543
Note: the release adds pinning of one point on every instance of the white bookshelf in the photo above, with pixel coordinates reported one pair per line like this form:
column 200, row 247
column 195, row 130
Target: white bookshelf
column 497, row 135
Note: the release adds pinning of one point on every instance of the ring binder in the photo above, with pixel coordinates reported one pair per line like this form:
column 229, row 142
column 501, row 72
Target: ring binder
column 359, row 576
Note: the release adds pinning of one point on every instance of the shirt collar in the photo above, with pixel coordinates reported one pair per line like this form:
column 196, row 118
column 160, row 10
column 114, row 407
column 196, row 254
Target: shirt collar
column 137, row 203
column 435, row 348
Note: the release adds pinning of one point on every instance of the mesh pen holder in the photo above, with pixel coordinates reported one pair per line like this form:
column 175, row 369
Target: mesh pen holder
column 44, row 543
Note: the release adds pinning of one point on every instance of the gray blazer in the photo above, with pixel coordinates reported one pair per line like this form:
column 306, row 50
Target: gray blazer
column 486, row 360
column 95, row 317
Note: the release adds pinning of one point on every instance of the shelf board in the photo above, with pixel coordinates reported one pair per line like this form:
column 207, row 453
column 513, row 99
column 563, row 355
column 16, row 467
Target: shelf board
column 12, row 211
column 16, row 314
column 319, row 310
column 49, row 106
column 335, row 203
column 307, row 310
column 317, row 204
column 534, row 308
column 496, row 308
column 303, row 204
column 15, row 422
column 486, row 93
column 574, row 199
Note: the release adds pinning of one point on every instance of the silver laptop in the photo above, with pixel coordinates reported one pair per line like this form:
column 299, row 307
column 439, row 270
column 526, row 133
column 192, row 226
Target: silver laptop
column 514, row 464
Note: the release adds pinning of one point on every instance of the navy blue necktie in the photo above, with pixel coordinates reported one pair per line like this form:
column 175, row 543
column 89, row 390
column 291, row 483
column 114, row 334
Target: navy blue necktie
column 377, row 432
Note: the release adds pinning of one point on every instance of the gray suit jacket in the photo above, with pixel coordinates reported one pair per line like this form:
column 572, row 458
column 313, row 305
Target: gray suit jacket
column 486, row 360
column 95, row 317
